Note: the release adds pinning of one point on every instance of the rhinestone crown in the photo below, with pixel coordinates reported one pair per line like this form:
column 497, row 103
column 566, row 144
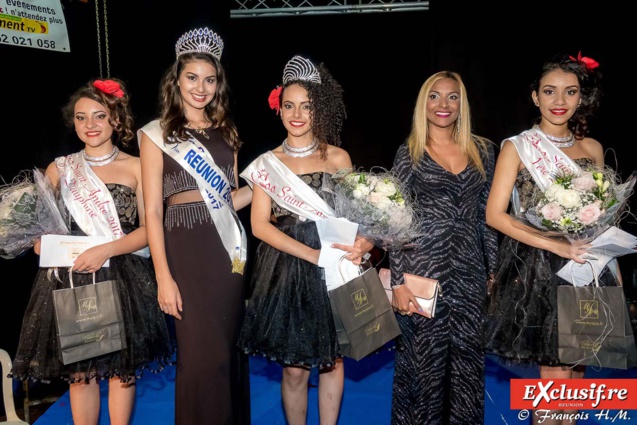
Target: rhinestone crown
column 201, row 40
column 299, row 68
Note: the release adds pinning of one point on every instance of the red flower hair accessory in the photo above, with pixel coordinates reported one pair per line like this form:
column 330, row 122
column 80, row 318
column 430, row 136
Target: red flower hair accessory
column 589, row 63
column 275, row 99
column 109, row 87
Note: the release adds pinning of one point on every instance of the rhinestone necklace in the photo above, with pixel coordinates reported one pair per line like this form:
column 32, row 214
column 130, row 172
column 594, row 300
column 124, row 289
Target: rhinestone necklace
column 300, row 152
column 560, row 142
column 98, row 161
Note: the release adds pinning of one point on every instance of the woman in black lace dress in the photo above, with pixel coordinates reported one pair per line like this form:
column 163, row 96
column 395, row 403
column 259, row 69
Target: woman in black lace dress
column 439, row 368
column 100, row 114
column 288, row 318
column 522, row 312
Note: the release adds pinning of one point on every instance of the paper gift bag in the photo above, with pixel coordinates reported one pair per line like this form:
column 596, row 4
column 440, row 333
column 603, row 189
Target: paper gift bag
column 594, row 327
column 363, row 316
column 89, row 320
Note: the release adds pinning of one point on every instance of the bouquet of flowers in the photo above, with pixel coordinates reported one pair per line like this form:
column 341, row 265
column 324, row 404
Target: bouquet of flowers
column 28, row 210
column 581, row 206
column 377, row 201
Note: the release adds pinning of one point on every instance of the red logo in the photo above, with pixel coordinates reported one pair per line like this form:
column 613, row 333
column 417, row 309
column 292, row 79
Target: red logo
column 574, row 394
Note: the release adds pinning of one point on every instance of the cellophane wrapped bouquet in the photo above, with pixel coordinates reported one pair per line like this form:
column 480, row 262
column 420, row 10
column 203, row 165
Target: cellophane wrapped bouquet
column 379, row 203
column 581, row 206
column 28, row 210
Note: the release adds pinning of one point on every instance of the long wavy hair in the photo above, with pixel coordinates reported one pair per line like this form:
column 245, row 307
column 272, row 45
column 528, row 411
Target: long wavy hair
column 475, row 147
column 327, row 108
column 590, row 89
column 120, row 113
column 173, row 119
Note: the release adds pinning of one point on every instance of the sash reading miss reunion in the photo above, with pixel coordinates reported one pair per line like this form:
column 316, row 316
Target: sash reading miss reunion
column 88, row 200
column 542, row 159
column 214, row 188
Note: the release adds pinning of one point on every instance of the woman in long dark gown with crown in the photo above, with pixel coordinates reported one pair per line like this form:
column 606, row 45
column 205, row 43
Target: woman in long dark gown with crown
column 189, row 162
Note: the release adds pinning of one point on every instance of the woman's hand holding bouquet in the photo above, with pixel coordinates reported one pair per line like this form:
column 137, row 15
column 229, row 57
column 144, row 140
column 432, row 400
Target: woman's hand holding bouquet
column 377, row 201
column 28, row 210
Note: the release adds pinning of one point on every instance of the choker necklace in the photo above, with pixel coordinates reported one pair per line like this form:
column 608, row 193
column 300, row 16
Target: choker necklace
column 560, row 142
column 300, row 152
column 98, row 161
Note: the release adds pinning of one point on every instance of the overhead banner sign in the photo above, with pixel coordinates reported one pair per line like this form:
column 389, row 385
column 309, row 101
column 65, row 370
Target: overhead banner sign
column 34, row 23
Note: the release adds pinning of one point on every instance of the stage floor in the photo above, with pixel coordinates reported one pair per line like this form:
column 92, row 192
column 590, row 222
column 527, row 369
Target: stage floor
column 366, row 400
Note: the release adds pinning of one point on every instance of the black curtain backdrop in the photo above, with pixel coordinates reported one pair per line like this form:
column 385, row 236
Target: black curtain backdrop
column 381, row 60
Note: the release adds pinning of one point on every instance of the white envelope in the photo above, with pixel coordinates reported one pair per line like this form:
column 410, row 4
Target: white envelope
column 62, row 250
column 336, row 230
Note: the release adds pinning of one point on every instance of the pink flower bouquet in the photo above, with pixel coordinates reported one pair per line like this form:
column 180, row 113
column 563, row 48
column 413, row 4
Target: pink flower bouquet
column 581, row 205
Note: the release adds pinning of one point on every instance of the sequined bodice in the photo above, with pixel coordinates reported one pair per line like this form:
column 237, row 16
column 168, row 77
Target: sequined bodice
column 126, row 203
column 314, row 181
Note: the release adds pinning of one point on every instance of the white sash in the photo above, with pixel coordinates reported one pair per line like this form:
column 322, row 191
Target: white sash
column 542, row 159
column 286, row 188
column 88, row 199
column 291, row 193
column 214, row 187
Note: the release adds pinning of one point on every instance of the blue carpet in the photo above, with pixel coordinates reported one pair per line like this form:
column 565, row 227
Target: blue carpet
column 366, row 400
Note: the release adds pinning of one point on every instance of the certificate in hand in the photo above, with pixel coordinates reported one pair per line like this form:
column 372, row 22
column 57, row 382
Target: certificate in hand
column 62, row 250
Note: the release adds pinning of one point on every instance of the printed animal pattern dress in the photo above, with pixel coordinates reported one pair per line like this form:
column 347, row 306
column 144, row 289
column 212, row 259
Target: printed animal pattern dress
column 521, row 322
column 212, row 380
column 439, row 365
column 288, row 316
column 147, row 337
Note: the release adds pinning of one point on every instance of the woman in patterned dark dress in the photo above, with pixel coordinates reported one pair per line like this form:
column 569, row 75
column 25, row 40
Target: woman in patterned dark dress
column 522, row 312
column 439, row 368
column 100, row 114
column 189, row 163
column 288, row 318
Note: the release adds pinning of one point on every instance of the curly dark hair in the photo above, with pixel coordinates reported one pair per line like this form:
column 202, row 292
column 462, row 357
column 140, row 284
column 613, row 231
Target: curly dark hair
column 121, row 115
column 173, row 116
column 590, row 87
column 327, row 108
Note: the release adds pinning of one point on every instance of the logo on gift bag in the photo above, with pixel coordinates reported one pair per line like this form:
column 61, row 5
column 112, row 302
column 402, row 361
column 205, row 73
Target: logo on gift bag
column 94, row 336
column 372, row 328
column 588, row 309
column 87, row 306
column 359, row 298
column 594, row 346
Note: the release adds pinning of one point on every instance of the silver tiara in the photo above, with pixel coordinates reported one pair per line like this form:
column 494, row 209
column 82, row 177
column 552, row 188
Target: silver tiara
column 202, row 40
column 299, row 68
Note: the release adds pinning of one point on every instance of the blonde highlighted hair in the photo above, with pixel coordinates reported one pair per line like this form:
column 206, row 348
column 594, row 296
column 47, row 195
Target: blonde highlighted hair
column 470, row 144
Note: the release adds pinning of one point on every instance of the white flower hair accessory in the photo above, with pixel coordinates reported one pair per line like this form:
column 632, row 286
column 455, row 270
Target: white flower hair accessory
column 299, row 68
column 201, row 40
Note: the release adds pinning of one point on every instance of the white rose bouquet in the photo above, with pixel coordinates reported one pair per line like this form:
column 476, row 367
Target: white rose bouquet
column 28, row 210
column 377, row 201
column 581, row 206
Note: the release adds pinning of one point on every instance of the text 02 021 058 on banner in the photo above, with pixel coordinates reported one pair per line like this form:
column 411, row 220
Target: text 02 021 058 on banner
column 38, row 24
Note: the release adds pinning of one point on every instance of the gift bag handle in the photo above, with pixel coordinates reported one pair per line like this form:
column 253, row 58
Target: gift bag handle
column 595, row 280
column 71, row 276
